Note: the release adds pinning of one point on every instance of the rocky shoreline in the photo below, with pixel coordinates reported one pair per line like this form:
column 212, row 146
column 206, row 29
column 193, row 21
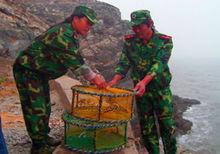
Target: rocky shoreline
column 25, row 19
column 13, row 124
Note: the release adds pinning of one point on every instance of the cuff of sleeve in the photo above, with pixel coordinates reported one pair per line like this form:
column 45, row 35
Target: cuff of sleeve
column 122, row 75
column 90, row 75
column 153, row 74
column 86, row 72
column 121, row 71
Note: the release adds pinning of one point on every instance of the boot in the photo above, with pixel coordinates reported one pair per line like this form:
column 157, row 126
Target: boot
column 44, row 149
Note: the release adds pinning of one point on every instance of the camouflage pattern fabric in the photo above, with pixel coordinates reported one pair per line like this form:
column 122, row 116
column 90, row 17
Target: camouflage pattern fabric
column 140, row 16
column 159, row 103
column 151, row 58
column 33, row 89
column 87, row 11
column 53, row 52
column 48, row 57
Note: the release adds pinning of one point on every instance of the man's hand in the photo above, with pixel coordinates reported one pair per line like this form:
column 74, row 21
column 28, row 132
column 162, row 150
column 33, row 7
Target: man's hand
column 141, row 86
column 99, row 81
column 115, row 80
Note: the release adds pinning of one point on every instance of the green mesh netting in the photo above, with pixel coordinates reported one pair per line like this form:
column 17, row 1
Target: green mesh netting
column 93, row 137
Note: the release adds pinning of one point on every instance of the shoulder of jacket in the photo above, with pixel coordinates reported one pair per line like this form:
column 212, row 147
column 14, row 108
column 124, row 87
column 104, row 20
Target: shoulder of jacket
column 165, row 37
column 129, row 37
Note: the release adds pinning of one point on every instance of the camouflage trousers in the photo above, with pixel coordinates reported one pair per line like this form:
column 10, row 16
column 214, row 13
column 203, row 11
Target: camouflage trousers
column 34, row 95
column 157, row 106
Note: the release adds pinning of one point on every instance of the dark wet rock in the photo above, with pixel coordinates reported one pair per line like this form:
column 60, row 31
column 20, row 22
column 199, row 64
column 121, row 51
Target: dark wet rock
column 180, row 106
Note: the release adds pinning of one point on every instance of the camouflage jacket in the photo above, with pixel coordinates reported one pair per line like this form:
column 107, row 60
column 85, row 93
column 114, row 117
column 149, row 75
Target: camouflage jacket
column 53, row 52
column 150, row 58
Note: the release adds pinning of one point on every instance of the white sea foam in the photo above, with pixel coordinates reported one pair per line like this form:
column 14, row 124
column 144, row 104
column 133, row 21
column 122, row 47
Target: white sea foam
column 200, row 79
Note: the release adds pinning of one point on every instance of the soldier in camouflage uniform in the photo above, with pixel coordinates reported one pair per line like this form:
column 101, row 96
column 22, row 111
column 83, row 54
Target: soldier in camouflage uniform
column 48, row 57
column 146, row 53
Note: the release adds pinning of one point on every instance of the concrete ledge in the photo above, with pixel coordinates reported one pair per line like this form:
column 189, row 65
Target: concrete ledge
column 63, row 86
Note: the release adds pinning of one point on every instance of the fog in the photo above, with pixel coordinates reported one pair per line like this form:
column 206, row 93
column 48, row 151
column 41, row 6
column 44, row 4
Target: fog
column 193, row 24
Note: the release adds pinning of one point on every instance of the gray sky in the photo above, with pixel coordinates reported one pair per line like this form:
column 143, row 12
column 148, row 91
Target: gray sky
column 193, row 24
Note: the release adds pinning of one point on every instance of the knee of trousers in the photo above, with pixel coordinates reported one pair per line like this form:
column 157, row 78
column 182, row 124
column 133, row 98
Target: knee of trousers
column 167, row 124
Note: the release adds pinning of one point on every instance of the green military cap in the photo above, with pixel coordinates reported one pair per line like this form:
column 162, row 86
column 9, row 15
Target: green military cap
column 88, row 12
column 140, row 16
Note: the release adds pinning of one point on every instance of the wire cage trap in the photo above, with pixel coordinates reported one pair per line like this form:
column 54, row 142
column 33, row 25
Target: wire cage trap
column 93, row 137
column 110, row 104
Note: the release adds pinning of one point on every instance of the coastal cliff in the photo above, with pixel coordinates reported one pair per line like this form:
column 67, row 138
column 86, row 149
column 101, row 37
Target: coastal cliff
column 23, row 20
